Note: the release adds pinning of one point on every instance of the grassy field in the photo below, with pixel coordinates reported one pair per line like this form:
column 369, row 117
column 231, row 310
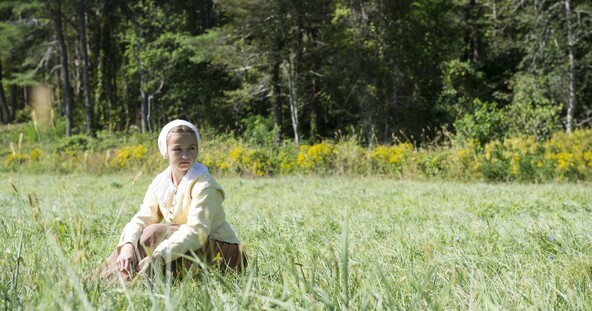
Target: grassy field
column 315, row 243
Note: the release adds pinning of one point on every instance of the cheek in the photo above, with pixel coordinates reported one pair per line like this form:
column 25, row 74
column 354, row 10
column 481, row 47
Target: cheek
column 171, row 155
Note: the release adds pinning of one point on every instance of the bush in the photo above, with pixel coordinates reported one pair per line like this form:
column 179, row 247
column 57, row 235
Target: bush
column 260, row 131
column 74, row 143
column 483, row 124
column 562, row 157
column 391, row 159
column 128, row 155
column 532, row 112
column 349, row 157
column 317, row 158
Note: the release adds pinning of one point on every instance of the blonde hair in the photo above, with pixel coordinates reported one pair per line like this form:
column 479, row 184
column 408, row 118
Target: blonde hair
column 181, row 129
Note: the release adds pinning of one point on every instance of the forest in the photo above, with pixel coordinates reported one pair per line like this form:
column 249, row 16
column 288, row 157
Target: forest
column 307, row 70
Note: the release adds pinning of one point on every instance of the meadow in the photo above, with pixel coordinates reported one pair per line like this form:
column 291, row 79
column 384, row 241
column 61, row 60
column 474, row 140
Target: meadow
column 316, row 243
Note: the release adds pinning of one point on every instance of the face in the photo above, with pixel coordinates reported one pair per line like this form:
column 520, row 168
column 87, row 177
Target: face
column 181, row 150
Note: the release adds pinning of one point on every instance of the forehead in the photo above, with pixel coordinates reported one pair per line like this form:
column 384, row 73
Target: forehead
column 181, row 139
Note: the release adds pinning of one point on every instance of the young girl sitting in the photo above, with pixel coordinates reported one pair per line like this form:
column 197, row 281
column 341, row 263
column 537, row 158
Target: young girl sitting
column 189, row 200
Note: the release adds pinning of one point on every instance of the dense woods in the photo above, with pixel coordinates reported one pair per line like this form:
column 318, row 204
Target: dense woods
column 305, row 70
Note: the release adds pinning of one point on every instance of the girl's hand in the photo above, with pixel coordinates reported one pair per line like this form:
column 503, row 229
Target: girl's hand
column 126, row 258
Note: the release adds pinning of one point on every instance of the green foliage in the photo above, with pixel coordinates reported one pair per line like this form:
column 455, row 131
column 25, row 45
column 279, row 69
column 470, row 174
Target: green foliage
column 495, row 165
column 485, row 122
column 10, row 33
column 74, row 143
column 562, row 157
column 260, row 131
column 461, row 87
column 381, row 68
column 532, row 112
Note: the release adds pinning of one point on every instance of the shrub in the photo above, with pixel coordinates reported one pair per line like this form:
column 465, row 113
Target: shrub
column 433, row 163
column 316, row 158
column 532, row 112
column 494, row 164
column 524, row 155
column 562, row 157
column 485, row 123
column 251, row 161
column 391, row 159
column 74, row 143
column 349, row 157
column 464, row 161
column 127, row 155
column 260, row 131
column 285, row 159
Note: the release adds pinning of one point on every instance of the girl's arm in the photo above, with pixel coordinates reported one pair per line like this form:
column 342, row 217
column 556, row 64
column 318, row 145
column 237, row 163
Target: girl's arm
column 148, row 214
column 205, row 208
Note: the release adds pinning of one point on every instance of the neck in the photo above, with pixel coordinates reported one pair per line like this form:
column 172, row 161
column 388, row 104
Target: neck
column 177, row 176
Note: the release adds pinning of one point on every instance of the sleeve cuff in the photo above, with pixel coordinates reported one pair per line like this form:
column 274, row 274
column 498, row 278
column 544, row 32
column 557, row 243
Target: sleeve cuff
column 128, row 238
column 164, row 250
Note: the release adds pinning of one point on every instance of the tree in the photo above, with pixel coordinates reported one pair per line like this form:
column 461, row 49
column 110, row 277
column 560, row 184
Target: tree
column 57, row 18
column 3, row 105
column 374, row 68
column 571, row 102
column 554, row 47
column 22, row 53
column 87, row 89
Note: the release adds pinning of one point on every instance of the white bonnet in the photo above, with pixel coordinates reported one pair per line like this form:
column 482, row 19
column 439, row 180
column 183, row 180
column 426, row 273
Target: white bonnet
column 162, row 137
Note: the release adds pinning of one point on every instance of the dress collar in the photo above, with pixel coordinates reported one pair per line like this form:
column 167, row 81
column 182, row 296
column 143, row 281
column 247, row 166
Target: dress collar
column 169, row 189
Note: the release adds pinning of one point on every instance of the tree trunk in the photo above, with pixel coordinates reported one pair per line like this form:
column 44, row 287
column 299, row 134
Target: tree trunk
column 293, row 81
column 144, row 103
column 57, row 17
column 571, row 103
column 58, row 93
column 472, row 32
column 112, row 110
column 142, row 74
column 85, row 71
column 13, row 101
column 205, row 15
column 25, row 97
column 3, row 105
column 314, row 108
column 276, row 99
column 292, row 78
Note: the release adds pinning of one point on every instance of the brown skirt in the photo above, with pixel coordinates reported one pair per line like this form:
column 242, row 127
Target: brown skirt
column 222, row 255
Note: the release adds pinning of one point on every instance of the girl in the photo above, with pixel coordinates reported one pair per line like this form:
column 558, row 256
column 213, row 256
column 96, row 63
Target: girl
column 189, row 200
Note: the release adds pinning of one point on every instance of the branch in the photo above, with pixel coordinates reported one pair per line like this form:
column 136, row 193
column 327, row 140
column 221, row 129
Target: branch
column 159, row 87
column 580, row 11
column 589, row 120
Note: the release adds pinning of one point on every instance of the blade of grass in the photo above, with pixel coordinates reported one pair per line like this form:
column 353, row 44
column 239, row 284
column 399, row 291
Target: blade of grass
column 73, row 278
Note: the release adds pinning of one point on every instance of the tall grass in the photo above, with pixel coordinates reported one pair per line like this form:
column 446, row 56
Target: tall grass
column 315, row 243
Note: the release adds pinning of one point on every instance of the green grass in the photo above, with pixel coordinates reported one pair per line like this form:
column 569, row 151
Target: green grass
column 315, row 243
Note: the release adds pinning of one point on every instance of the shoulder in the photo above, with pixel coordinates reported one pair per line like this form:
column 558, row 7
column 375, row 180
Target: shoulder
column 161, row 181
column 203, row 183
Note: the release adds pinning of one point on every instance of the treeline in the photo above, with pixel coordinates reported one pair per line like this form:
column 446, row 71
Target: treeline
column 306, row 70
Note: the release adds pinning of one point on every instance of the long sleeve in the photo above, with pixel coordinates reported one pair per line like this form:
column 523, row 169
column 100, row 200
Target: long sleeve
column 148, row 214
column 204, row 213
